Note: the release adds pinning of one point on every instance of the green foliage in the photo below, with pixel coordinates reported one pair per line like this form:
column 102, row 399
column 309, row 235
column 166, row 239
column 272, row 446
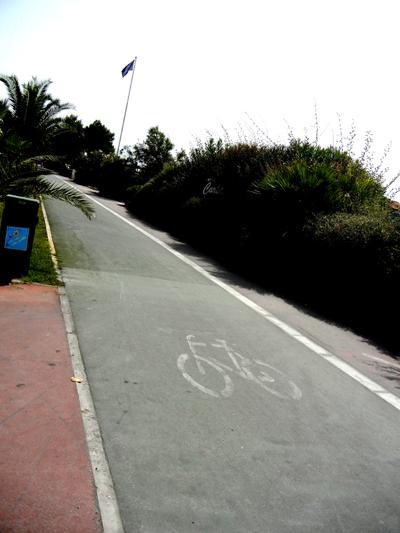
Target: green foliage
column 115, row 177
column 211, row 169
column 160, row 196
column 27, row 178
column 98, row 138
column 151, row 155
column 308, row 221
column 28, row 122
column 351, row 229
column 353, row 261
column 30, row 112
column 250, row 190
column 88, row 168
column 68, row 139
column 305, row 188
column 114, row 174
column 41, row 269
column 110, row 174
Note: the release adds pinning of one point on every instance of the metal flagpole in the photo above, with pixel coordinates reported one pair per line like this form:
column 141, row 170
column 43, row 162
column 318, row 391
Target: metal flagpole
column 127, row 102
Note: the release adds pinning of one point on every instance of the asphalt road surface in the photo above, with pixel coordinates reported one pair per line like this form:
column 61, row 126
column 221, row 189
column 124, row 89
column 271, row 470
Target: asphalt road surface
column 214, row 419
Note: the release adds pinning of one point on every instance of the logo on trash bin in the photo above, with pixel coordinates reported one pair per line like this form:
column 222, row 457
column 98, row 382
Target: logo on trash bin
column 16, row 238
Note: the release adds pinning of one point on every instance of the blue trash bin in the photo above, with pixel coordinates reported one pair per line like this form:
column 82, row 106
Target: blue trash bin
column 17, row 230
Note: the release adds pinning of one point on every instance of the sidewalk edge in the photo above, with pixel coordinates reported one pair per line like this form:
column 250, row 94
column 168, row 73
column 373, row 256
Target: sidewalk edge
column 106, row 497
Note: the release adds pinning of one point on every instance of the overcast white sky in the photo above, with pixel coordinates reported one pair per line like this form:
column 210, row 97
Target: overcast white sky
column 203, row 64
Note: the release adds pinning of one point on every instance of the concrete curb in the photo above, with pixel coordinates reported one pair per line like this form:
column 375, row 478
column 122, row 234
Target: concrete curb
column 106, row 498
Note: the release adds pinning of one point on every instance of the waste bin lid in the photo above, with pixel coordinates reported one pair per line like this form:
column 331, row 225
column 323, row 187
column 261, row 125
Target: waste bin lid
column 14, row 197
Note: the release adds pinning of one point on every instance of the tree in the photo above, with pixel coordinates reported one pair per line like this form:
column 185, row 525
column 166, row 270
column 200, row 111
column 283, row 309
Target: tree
column 28, row 121
column 68, row 140
column 30, row 112
column 152, row 154
column 98, row 137
column 26, row 177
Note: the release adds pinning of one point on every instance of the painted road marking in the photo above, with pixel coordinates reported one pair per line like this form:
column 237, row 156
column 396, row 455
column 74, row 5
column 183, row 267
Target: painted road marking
column 226, row 391
column 378, row 390
column 242, row 366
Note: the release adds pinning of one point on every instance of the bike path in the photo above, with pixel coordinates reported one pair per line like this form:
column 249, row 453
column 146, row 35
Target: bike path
column 186, row 460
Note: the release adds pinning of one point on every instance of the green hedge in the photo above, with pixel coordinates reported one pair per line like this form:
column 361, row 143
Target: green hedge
column 110, row 174
column 307, row 221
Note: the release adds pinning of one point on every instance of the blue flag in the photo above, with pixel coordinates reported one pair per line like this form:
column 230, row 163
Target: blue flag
column 128, row 67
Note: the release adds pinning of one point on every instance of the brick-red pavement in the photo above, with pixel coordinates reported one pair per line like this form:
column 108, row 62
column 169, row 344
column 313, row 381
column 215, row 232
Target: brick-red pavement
column 46, row 484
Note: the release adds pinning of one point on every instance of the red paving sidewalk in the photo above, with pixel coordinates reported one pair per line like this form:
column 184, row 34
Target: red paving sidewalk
column 46, row 483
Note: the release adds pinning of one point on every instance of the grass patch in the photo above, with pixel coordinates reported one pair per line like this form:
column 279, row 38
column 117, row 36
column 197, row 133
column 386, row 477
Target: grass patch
column 41, row 265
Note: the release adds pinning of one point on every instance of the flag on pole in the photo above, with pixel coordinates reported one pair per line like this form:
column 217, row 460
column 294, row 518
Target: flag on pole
column 128, row 67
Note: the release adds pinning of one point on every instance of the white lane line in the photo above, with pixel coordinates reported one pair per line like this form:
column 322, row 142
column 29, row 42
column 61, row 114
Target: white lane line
column 106, row 498
column 378, row 390
column 355, row 374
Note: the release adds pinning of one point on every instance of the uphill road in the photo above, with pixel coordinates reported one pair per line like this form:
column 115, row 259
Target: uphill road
column 223, row 409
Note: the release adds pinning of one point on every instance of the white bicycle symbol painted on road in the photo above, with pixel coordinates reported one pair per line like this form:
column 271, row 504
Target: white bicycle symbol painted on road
column 263, row 374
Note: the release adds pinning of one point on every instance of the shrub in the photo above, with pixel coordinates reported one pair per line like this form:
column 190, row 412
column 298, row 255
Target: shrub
column 351, row 266
column 252, row 195
column 297, row 191
column 150, row 156
column 110, row 174
column 362, row 245
column 307, row 221
column 115, row 177
column 88, row 168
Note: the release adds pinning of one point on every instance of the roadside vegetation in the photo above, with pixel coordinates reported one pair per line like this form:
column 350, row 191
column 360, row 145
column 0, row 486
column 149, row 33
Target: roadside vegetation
column 30, row 126
column 41, row 269
column 315, row 224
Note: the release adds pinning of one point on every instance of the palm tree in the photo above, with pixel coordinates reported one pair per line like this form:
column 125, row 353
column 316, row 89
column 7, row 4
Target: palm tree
column 31, row 112
column 28, row 119
column 27, row 177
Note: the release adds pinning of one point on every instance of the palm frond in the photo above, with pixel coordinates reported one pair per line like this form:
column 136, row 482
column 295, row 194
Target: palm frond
column 13, row 89
column 33, row 173
column 29, row 117
column 40, row 186
column 40, row 159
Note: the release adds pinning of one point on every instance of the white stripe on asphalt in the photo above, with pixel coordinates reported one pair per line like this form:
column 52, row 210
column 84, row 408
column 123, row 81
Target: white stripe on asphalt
column 347, row 369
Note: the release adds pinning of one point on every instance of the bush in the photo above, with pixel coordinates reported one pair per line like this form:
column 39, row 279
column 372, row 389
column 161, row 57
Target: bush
column 310, row 222
column 110, row 174
column 159, row 198
column 362, row 246
column 150, row 156
column 115, row 177
column 351, row 264
column 252, row 195
column 88, row 168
